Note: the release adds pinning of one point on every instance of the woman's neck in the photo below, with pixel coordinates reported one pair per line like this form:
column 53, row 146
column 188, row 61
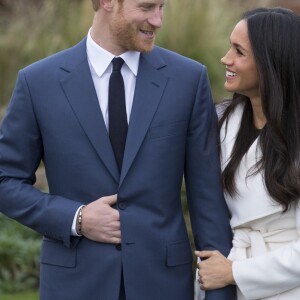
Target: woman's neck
column 259, row 118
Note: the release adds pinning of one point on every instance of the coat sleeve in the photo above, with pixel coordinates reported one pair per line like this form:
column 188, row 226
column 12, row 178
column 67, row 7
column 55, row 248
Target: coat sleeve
column 208, row 211
column 267, row 275
column 21, row 151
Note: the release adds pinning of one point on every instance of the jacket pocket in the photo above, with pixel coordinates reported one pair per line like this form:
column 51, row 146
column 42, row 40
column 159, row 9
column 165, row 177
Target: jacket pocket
column 179, row 253
column 55, row 253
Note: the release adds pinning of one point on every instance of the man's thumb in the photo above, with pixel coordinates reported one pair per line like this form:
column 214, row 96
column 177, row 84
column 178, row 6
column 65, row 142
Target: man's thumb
column 110, row 200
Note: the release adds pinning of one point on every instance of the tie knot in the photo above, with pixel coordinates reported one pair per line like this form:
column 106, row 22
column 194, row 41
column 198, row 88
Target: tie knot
column 117, row 63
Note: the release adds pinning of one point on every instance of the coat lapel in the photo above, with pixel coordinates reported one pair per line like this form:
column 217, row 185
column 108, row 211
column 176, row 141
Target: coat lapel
column 79, row 89
column 150, row 84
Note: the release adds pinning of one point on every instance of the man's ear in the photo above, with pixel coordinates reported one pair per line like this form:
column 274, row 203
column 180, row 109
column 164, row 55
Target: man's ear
column 107, row 4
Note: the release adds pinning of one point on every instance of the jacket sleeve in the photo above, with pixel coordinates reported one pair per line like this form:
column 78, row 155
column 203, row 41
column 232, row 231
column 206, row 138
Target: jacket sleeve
column 21, row 151
column 208, row 210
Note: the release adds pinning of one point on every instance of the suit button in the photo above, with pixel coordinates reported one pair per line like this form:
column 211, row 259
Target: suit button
column 122, row 205
column 119, row 247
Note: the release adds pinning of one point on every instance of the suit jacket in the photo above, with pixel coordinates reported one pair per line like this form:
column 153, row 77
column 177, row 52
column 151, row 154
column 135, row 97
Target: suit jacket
column 54, row 116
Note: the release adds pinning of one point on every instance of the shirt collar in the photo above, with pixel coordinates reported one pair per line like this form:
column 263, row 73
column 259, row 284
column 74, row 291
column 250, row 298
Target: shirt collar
column 100, row 58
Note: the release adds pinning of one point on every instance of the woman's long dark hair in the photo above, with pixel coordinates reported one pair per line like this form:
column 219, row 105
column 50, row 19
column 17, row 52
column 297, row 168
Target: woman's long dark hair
column 275, row 39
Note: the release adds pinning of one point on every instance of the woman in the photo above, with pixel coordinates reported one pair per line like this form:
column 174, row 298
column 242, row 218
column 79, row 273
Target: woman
column 260, row 154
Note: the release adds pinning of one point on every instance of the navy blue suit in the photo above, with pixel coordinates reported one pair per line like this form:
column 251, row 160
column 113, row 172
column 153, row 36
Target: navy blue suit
column 54, row 116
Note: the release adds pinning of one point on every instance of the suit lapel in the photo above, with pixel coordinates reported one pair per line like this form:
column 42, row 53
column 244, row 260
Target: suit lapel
column 150, row 84
column 77, row 83
column 79, row 89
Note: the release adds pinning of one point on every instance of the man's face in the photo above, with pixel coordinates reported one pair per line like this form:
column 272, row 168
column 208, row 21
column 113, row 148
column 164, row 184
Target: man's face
column 134, row 24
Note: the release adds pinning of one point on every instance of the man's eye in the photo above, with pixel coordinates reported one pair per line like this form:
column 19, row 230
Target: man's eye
column 146, row 7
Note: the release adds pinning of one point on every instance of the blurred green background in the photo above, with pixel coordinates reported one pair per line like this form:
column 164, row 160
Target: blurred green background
column 33, row 29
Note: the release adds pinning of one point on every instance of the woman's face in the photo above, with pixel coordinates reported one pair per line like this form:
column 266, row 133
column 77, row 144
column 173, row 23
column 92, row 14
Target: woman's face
column 241, row 71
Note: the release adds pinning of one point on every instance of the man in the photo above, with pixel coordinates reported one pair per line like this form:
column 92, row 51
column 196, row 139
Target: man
column 112, row 223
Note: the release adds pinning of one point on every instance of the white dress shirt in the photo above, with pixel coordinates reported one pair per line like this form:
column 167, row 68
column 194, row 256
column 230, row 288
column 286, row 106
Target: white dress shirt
column 100, row 65
column 99, row 61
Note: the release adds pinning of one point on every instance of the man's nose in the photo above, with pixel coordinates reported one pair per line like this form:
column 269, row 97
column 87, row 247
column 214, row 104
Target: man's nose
column 156, row 19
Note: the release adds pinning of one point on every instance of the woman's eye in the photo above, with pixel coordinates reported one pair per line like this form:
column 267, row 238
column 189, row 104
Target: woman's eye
column 239, row 52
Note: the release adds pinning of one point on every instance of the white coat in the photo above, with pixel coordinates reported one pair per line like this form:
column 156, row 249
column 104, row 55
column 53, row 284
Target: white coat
column 266, row 245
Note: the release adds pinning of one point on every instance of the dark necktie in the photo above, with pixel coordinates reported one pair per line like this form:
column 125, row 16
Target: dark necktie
column 117, row 111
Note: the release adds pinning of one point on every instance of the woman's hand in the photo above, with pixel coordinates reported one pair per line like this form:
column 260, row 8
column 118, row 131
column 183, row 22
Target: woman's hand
column 215, row 270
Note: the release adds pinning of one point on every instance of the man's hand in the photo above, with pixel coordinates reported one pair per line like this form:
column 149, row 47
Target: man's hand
column 101, row 222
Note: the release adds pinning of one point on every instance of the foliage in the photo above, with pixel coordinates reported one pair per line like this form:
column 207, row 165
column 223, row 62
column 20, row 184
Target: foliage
column 37, row 32
column 19, row 257
column 21, row 296
column 200, row 29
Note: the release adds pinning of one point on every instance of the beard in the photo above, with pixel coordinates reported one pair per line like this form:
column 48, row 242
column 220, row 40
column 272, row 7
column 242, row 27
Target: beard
column 127, row 35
